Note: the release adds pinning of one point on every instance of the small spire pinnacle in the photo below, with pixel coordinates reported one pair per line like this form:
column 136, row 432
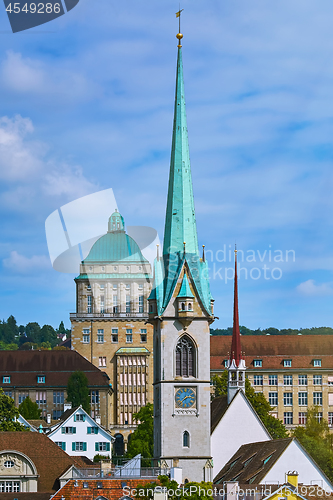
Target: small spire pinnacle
column 236, row 343
column 179, row 35
column 157, row 252
column 203, row 253
column 184, row 247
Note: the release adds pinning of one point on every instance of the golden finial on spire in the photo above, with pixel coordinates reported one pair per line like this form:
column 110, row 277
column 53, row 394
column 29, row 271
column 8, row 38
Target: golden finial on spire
column 179, row 35
column 235, row 249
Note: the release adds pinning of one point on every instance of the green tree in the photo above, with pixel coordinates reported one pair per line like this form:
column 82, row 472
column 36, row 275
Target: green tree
column 142, row 439
column 8, row 414
column 29, row 410
column 77, row 391
column 317, row 440
column 202, row 490
column 274, row 426
column 48, row 334
column 32, row 331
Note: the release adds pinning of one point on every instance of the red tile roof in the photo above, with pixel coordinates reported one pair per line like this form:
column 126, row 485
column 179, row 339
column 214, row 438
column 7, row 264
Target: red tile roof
column 111, row 489
column 274, row 349
column 50, row 461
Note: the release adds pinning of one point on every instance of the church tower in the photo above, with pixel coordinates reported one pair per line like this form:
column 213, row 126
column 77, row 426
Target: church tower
column 181, row 310
column 236, row 369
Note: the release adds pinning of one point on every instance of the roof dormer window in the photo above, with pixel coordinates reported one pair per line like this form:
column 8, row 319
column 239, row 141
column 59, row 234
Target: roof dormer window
column 257, row 363
column 287, row 363
column 317, row 362
column 6, row 380
column 40, row 379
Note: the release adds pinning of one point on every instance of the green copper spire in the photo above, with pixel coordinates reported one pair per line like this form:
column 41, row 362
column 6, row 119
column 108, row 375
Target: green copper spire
column 180, row 223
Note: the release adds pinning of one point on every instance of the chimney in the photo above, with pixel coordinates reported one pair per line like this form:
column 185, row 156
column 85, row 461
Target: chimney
column 292, row 478
column 67, row 406
column 231, row 490
column 48, row 418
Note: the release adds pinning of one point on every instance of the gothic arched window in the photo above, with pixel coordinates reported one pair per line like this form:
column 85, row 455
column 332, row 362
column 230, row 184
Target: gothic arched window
column 185, row 357
column 186, row 439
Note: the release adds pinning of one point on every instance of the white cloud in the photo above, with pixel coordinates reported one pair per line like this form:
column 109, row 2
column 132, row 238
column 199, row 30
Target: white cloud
column 25, row 265
column 30, row 177
column 311, row 289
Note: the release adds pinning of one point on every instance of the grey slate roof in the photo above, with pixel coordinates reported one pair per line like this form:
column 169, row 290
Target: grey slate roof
column 251, row 462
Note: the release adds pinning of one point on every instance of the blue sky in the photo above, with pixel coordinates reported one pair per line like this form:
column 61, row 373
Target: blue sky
column 87, row 104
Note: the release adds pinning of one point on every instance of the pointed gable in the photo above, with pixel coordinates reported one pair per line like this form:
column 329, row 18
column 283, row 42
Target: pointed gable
column 233, row 425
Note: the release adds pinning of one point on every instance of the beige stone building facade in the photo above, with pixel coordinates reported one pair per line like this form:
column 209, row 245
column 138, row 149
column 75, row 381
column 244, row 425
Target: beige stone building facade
column 295, row 372
column 109, row 326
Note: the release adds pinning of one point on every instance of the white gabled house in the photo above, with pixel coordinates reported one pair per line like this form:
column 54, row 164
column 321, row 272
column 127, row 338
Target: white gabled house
column 79, row 434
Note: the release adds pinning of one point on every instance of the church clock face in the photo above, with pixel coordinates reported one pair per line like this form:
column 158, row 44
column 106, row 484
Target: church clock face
column 185, row 397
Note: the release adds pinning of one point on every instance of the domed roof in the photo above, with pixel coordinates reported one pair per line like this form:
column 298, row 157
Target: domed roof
column 115, row 245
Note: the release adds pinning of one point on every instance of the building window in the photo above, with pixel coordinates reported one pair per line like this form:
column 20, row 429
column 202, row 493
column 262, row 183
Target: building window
column 186, row 439
column 40, row 379
column 287, row 363
column 94, row 397
column 102, row 304
column 6, row 380
column 114, row 338
column 61, row 445
column 22, row 397
column 100, row 336
column 185, row 357
column 41, row 398
column 317, row 362
column 143, row 334
column 257, row 363
column 273, row 398
column 319, row 416
column 115, row 286
column 115, row 303
column 10, row 486
column 302, row 380
column 288, row 418
column 141, row 299
column 302, row 418
column 92, row 430
column 129, row 336
column 102, row 361
column 79, row 417
column 140, row 286
column 68, row 430
column 89, row 286
column 330, row 380
column 79, row 446
column 317, row 380
column 330, row 418
column 103, row 446
column 58, row 398
column 89, row 309
column 288, row 398
column 8, row 464
column 57, row 414
column 287, row 380
column 257, row 380
column 226, row 363
column 317, row 398
column 101, row 286
column 86, row 336
column 8, row 393
column 128, row 303
column 302, row 399
column 272, row 380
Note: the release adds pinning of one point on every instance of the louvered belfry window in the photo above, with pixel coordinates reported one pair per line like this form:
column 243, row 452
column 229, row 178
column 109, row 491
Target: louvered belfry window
column 185, row 358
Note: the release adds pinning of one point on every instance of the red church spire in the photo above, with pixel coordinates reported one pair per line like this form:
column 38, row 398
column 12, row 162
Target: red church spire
column 236, row 352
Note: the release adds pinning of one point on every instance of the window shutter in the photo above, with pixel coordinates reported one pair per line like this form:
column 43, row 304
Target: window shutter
column 63, row 430
column 96, row 446
column 63, row 446
column 84, row 418
column 74, row 418
column 84, row 446
column 107, row 446
column 73, row 446
column 74, row 430
column 89, row 430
